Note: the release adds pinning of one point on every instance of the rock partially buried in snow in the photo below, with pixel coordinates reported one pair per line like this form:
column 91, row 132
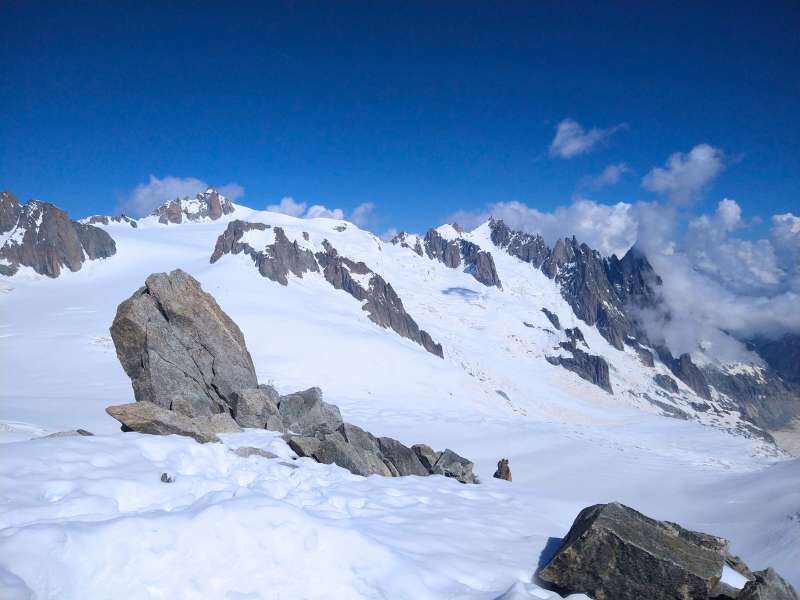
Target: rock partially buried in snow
column 256, row 407
column 503, row 470
column 613, row 552
column 147, row 417
column 180, row 349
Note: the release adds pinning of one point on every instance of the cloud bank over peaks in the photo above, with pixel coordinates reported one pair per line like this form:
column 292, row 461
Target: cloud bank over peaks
column 361, row 215
column 716, row 281
column 146, row 196
column 573, row 140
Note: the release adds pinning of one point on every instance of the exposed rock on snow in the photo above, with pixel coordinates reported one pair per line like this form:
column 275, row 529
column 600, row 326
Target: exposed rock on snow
column 41, row 236
column 767, row 585
column 666, row 382
column 503, row 470
column 276, row 260
column 613, row 552
column 587, row 366
column 684, row 369
column 209, row 204
column 407, row 240
column 180, row 349
column 450, row 253
column 107, row 220
column 553, row 318
column 72, row 433
column 147, row 417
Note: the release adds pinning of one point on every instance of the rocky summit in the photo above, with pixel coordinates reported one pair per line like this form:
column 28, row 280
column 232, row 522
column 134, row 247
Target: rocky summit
column 206, row 205
column 41, row 236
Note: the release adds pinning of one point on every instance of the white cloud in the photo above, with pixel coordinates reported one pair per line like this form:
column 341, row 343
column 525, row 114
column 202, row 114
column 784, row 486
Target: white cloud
column 320, row 211
column 609, row 176
column 232, row 191
column 288, row 206
column 685, row 175
column 362, row 214
column 147, row 196
column 387, row 235
column 572, row 139
column 611, row 229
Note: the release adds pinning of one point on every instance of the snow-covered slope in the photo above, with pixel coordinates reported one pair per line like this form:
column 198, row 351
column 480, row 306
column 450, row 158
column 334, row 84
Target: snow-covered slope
column 493, row 395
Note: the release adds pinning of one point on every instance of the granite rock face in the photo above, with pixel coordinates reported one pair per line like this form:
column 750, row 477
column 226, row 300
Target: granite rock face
column 452, row 253
column 276, row 260
column 209, row 204
column 590, row 367
column 305, row 412
column 684, row 369
column 108, row 220
column 257, row 408
column 613, row 552
column 180, row 349
column 553, row 318
column 407, row 240
column 41, row 236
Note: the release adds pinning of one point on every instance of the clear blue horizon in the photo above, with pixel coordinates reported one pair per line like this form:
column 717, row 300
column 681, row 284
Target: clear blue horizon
column 422, row 109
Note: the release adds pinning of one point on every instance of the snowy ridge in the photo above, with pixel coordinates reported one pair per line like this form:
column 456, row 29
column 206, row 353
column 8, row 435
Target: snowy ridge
column 494, row 395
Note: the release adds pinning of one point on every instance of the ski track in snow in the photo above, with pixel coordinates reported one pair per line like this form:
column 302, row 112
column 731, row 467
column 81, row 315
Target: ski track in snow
column 95, row 512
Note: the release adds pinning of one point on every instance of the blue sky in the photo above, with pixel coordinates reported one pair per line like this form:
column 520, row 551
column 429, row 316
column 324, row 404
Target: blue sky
column 423, row 109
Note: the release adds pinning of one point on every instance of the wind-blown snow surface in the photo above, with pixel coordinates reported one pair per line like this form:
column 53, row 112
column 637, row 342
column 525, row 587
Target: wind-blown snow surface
column 90, row 518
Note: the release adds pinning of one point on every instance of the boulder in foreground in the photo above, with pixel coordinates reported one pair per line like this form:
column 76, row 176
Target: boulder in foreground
column 613, row 552
column 180, row 349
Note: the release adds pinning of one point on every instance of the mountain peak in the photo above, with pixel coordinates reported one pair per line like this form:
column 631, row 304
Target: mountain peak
column 206, row 205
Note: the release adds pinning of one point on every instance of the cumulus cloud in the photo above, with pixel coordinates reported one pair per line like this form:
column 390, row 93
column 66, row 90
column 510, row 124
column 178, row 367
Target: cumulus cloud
column 146, row 196
column 609, row 176
column 288, row 206
column 684, row 176
column 611, row 229
column 572, row 139
column 361, row 215
column 318, row 210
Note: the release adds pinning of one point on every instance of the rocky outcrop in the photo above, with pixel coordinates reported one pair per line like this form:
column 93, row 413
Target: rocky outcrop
column 407, row 240
column 180, row 349
column 108, row 220
column 613, row 552
column 666, row 382
column 602, row 292
column 281, row 257
column 206, row 205
column 763, row 397
column 452, row 253
column 41, row 236
column 147, row 417
column 684, row 369
column 503, row 470
column 526, row 247
column 446, row 463
column 553, row 318
column 767, row 585
column 257, row 408
column 782, row 355
column 590, row 367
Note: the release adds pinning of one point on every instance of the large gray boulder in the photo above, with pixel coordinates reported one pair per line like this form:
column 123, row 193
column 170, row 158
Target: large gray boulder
column 304, row 412
column 767, row 585
column 613, row 552
column 180, row 349
column 147, row 417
